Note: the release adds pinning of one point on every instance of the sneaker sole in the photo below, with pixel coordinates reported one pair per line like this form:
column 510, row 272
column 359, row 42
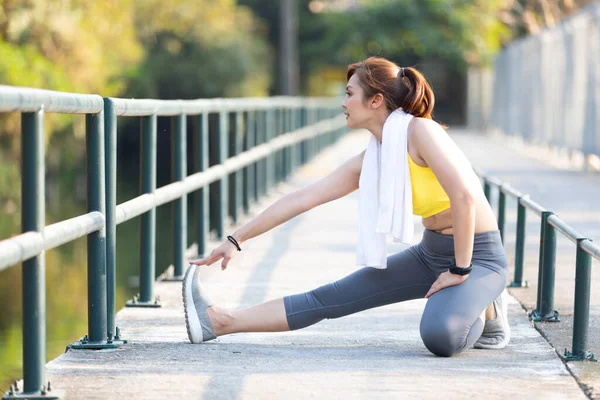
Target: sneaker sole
column 192, row 322
column 504, row 342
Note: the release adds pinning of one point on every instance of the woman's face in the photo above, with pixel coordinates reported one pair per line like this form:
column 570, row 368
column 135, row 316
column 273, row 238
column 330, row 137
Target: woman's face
column 357, row 111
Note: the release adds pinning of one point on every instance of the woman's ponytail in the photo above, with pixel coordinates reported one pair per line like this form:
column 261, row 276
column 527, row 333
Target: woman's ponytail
column 415, row 95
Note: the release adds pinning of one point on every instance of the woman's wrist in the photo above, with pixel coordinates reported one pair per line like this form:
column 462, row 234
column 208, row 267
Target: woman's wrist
column 238, row 236
column 456, row 269
column 462, row 264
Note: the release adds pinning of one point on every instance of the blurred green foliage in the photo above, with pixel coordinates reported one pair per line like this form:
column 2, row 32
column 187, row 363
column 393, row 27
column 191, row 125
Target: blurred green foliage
column 457, row 32
column 132, row 48
column 199, row 49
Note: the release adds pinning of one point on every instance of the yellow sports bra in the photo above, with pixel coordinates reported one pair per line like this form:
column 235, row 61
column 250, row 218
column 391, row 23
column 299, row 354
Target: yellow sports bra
column 428, row 196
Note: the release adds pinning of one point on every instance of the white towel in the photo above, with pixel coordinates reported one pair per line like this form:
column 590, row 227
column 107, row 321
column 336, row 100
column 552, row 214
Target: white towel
column 385, row 196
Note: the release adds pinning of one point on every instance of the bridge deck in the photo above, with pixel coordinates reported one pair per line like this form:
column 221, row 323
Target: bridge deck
column 374, row 354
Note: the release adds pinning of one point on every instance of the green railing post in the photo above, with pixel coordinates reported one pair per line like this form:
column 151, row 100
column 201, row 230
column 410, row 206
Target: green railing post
column 304, row 143
column 314, row 145
column 110, row 176
column 96, row 241
column 261, row 170
column 148, row 219
column 250, row 170
column 276, row 157
column 287, row 152
column 501, row 212
column 283, row 151
column 33, row 270
column 292, row 149
column 276, row 130
column 487, row 190
column 280, row 165
column 297, row 147
column 222, row 152
column 270, row 134
column 535, row 314
column 520, row 244
column 545, row 307
column 581, row 314
column 318, row 139
column 238, row 189
column 309, row 142
column 202, row 197
column 179, row 133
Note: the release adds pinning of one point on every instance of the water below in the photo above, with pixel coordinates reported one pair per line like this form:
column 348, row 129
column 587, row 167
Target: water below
column 66, row 286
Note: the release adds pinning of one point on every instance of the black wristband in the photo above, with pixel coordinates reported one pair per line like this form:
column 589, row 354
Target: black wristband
column 235, row 243
column 458, row 270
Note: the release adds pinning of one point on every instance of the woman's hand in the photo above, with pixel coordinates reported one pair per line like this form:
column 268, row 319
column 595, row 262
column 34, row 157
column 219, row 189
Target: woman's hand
column 225, row 251
column 446, row 279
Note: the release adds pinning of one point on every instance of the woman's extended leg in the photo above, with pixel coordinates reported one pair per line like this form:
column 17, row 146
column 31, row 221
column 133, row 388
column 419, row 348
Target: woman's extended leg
column 265, row 317
column 405, row 278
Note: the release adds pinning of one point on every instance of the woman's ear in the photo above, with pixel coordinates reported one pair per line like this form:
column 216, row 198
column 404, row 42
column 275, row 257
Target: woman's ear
column 376, row 101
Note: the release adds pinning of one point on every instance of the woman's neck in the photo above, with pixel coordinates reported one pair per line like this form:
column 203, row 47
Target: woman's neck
column 376, row 125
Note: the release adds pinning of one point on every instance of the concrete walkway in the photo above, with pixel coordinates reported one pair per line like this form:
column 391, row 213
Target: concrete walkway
column 370, row 355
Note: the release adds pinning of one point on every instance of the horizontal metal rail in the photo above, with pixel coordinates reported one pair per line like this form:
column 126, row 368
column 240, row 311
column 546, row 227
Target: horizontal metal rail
column 590, row 248
column 565, row 229
column 19, row 99
column 147, row 107
column 509, row 190
column 532, row 205
column 27, row 245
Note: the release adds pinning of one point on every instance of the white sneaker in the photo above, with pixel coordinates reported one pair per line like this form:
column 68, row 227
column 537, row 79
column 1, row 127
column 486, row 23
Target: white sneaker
column 195, row 303
column 496, row 332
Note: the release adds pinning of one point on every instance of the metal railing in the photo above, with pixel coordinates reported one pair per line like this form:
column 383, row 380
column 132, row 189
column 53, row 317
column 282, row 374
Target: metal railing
column 585, row 249
column 271, row 139
column 29, row 247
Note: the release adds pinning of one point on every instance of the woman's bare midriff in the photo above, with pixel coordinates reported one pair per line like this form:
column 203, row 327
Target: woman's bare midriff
column 485, row 220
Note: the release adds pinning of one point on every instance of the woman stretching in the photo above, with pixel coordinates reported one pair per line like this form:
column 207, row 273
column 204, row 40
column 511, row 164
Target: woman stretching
column 410, row 167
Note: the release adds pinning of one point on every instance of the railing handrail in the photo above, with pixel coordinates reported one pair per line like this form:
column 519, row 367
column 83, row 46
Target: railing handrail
column 585, row 250
column 26, row 245
column 281, row 133
column 147, row 107
column 564, row 228
column 24, row 99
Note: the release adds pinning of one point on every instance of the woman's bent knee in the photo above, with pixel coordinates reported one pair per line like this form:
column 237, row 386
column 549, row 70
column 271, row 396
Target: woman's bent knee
column 439, row 338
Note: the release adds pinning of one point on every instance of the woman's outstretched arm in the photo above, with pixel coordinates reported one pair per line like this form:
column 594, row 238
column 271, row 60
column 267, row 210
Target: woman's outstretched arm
column 339, row 183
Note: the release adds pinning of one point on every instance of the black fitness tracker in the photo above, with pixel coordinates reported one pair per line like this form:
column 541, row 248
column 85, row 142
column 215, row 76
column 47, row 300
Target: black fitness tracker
column 458, row 270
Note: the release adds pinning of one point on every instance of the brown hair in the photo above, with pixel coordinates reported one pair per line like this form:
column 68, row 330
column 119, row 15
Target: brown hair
column 401, row 87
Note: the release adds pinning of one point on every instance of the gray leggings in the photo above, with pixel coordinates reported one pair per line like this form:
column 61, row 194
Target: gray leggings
column 450, row 322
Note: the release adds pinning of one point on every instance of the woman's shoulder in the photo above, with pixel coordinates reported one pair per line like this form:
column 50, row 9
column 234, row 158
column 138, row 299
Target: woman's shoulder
column 424, row 132
column 419, row 124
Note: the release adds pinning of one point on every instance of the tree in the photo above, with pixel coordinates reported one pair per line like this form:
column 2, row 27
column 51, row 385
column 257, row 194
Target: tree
column 199, row 49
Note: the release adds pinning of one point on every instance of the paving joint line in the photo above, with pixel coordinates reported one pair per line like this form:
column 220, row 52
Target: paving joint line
column 587, row 390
